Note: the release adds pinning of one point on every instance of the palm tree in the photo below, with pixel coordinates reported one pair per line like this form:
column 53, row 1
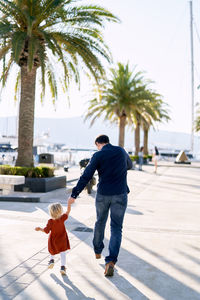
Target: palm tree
column 146, row 127
column 151, row 110
column 156, row 111
column 120, row 98
column 137, row 122
column 36, row 34
column 140, row 115
column 197, row 121
column 197, row 124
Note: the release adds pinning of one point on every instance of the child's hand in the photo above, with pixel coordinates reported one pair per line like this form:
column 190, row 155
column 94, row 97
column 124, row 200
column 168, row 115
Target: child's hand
column 37, row 228
column 70, row 201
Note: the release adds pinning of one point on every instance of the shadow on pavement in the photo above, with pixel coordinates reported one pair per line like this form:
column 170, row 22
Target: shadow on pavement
column 24, row 207
column 195, row 186
column 161, row 283
column 190, row 257
column 72, row 292
column 180, row 189
column 152, row 277
column 133, row 212
column 124, row 286
column 167, row 282
column 194, row 247
column 180, row 177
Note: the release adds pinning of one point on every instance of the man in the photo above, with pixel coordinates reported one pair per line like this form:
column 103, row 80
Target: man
column 112, row 163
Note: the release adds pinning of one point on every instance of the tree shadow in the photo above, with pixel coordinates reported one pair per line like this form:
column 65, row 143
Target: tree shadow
column 152, row 277
column 133, row 212
column 161, row 283
column 195, row 186
column 124, row 286
column 19, row 284
column 156, row 280
column 178, row 189
column 23, row 207
column 194, row 247
column 180, row 176
column 190, row 257
column 165, row 260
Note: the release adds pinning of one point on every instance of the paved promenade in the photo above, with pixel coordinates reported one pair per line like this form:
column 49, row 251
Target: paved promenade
column 160, row 252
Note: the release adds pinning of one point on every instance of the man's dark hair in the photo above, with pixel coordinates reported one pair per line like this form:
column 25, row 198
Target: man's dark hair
column 102, row 139
column 156, row 150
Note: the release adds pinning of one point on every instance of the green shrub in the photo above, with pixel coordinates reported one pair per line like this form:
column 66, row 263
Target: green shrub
column 48, row 172
column 37, row 172
column 149, row 157
column 134, row 157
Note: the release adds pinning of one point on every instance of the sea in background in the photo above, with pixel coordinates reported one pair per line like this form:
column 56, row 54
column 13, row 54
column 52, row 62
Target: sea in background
column 74, row 133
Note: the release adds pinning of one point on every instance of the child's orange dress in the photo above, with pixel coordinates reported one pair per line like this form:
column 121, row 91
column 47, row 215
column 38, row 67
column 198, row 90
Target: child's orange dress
column 58, row 239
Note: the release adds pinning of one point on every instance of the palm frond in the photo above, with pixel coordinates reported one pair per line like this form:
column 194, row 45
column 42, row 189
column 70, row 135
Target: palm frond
column 52, row 83
column 72, row 32
column 17, row 85
column 18, row 42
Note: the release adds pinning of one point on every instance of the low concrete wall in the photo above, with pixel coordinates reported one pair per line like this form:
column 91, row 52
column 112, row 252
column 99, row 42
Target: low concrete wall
column 41, row 185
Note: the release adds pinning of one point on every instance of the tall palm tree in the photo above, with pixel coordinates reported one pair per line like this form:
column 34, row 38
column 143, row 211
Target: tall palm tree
column 156, row 111
column 151, row 110
column 140, row 115
column 41, row 35
column 197, row 121
column 197, row 124
column 137, row 125
column 120, row 98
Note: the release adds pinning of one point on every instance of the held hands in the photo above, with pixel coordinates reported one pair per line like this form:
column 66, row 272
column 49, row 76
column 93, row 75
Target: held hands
column 70, row 201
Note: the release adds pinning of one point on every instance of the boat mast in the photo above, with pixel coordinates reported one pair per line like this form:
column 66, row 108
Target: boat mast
column 192, row 74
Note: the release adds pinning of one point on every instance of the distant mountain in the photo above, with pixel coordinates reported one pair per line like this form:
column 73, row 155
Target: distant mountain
column 74, row 132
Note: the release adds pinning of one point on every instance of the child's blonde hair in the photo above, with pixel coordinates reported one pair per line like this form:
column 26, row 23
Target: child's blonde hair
column 55, row 210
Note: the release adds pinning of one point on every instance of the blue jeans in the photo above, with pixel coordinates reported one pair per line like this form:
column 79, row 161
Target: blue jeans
column 117, row 205
column 140, row 162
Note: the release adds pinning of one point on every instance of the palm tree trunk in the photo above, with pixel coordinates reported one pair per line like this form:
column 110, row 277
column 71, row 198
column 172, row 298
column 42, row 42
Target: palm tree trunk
column 146, row 131
column 137, row 138
column 26, row 118
column 122, row 124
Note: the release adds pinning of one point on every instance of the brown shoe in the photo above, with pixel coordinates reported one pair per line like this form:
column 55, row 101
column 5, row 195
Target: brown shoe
column 109, row 269
column 51, row 264
column 98, row 256
column 63, row 270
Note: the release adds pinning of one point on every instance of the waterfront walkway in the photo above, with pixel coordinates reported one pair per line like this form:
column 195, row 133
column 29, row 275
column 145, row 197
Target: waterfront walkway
column 160, row 252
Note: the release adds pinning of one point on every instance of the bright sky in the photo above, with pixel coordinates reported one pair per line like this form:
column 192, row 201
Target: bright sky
column 155, row 36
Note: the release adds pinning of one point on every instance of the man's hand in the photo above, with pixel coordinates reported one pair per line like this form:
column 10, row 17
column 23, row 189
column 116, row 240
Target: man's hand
column 70, row 201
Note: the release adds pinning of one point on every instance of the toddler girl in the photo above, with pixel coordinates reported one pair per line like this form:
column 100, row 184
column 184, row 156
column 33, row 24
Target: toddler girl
column 58, row 241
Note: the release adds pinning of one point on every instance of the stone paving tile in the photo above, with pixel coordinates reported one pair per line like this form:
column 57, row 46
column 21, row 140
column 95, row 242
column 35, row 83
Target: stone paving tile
column 42, row 263
column 6, row 280
column 27, row 278
column 39, row 256
column 39, row 269
column 14, row 289
column 17, row 272
column 30, row 263
column 4, row 296
column 45, row 252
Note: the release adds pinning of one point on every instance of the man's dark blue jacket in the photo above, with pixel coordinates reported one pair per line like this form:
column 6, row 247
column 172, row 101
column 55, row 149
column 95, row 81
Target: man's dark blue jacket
column 112, row 163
